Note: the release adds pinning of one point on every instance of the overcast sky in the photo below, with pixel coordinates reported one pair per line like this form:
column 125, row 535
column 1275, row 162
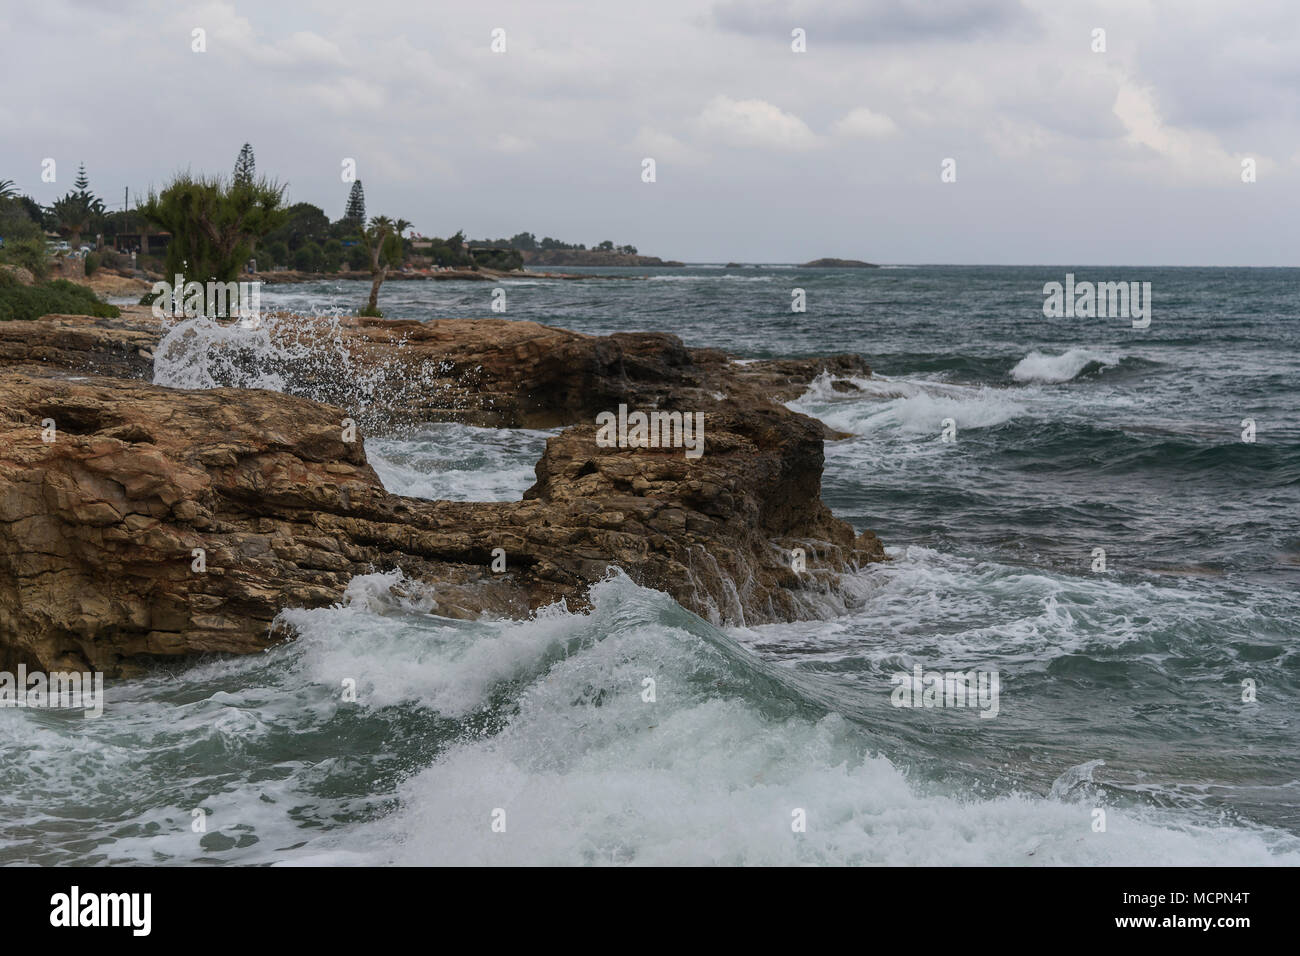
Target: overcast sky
column 1063, row 155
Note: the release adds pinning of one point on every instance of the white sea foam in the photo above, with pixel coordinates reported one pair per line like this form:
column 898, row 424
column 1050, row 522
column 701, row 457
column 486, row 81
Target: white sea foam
column 723, row 278
column 912, row 407
column 1053, row 369
column 456, row 462
column 586, row 769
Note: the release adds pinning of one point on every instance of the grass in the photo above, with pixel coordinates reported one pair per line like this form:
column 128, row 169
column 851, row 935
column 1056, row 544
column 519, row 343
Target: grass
column 19, row 302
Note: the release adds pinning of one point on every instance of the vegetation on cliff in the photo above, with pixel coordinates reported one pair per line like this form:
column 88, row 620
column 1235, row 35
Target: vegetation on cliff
column 60, row 297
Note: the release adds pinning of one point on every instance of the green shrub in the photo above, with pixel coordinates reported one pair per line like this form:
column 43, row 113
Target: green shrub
column 277, row 252
column 20, row 302
column 331, row 256
column 28, row 253
column 358, row 258
column 92, row 263
column 307, row 258
column 112, row 259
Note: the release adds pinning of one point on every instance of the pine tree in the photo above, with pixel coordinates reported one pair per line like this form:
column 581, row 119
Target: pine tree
column 356, row 208
column 245, row 167
column 213, row 224
column 78, row 210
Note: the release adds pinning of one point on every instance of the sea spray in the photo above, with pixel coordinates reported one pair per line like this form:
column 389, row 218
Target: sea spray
column 302, row 355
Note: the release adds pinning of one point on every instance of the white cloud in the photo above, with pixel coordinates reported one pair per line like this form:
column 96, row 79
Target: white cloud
column 754, row 123
column 452, row 135
column 862, row 123
column 509, row 143
column 662, row 146
column 1185, row 154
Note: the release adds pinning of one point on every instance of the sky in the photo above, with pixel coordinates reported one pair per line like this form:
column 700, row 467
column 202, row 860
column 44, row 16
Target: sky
column 1063, row 154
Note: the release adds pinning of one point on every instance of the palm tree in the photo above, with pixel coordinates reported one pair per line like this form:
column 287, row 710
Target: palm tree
column 383, row 240
column 7, row 190
column 74, row 212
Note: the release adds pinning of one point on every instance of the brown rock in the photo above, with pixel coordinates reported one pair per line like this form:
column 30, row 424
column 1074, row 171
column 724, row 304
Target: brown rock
column 99, row 527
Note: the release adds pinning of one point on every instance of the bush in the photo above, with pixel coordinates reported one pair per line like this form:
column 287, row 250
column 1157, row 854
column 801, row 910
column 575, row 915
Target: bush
column 358, row 258
column 112, row 259
column 277, row 252
column 28, row 253
column 21, row 302
column 92, row 263
column 332, row 256
column 307, row 258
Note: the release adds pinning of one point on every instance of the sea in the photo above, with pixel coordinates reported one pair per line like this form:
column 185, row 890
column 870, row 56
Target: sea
column 1104, row 517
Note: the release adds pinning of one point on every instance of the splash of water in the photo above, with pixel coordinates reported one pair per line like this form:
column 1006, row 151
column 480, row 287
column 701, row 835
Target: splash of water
column 314, row 356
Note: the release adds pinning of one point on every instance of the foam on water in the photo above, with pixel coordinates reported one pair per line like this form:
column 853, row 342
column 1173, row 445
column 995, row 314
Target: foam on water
column 456, row 462
column 1052, row 369
column 910, row 407
column 723, row 278
column 589, row 772
column 546, row 720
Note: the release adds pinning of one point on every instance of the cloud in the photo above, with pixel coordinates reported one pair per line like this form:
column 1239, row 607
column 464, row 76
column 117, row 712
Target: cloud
column 1187, row 154
column 871, row 21
column 439, row 123
column 754, row 124
column 664, row 146
column 509, row 143
column 862, row 123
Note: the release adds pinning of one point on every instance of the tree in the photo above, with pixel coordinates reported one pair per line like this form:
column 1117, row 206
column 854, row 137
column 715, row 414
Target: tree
column 245, row 167
column 17, row 223
column 276, row 254
column 307, row 258
column 525, row 241
column 355, row 212
column 22, row 240
column 303, row 223
column 357, row 257
column 213, row 224
column 331, row 255
column 383, row 241
column 74, row 212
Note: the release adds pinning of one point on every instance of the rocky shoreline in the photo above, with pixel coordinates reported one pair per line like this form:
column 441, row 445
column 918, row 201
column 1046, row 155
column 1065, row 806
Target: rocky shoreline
column 140, row 522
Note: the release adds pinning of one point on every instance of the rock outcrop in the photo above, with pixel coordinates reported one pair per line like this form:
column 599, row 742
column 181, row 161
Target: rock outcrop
column 833, row 263
column 20, row 275
column 141, row 522
column 490, row 372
